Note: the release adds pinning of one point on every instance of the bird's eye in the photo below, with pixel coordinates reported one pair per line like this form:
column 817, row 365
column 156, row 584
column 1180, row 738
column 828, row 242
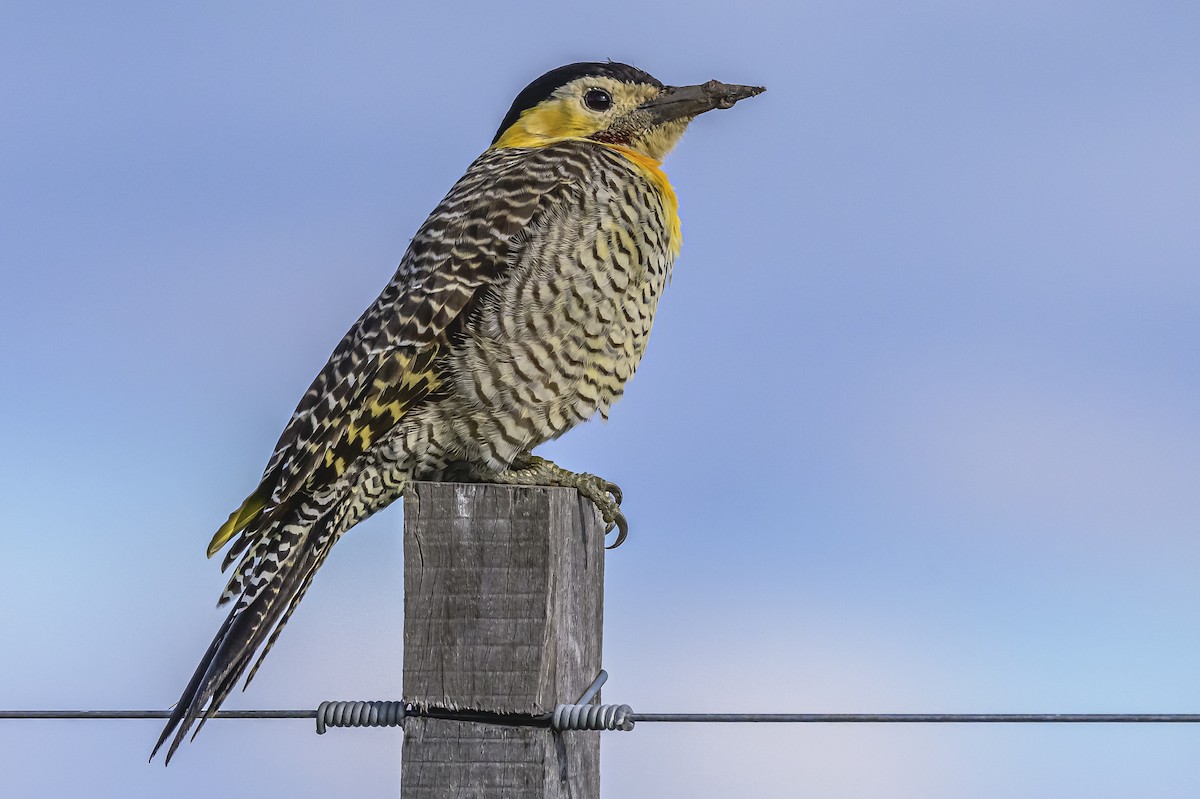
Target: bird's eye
column 597, row 100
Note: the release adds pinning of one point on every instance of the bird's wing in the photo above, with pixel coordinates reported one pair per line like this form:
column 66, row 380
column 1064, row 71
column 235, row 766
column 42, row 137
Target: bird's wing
column 385, row 364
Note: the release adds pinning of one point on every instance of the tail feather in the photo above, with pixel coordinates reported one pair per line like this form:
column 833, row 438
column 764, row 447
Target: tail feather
column 241, row 518
column 252, row 563
column 291, row 608
column 279, row 572
column 281, row 551
column 262, row 527
column 223, row 690
column 192, row 689
column 236, row 549
column 340, row 519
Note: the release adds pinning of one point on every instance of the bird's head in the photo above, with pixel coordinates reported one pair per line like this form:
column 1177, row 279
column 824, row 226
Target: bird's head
column 610, row 103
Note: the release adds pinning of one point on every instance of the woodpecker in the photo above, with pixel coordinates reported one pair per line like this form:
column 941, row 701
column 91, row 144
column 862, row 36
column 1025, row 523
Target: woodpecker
column 521, row 308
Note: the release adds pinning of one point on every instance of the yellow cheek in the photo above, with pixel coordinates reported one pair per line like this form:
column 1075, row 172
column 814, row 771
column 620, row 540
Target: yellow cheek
column 547, row 123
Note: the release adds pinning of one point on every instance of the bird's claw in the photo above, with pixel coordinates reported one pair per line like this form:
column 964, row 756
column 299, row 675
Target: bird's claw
column 607, row 498
column 622, row 530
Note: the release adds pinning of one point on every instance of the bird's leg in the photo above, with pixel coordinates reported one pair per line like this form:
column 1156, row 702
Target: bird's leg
column 530, row 470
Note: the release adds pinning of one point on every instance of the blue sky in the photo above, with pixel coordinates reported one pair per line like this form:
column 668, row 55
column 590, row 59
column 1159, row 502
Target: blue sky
column 917, row 429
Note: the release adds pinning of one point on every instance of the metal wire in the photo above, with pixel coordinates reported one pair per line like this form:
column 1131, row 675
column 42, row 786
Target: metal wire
column 583, row 715
column 359, row 714
column 670, row 718
column 592, row 717
column 593, row 690
column 152, row 714
column 920, row 718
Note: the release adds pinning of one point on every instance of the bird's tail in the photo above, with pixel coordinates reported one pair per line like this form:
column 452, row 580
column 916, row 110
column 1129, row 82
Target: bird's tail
column 270, row 580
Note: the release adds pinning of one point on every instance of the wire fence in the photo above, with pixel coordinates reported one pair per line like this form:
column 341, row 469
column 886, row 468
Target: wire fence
column 584, row 715
column 515, row 719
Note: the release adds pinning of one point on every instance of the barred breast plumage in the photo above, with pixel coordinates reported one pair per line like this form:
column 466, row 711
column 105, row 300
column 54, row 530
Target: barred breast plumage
column 555, row 340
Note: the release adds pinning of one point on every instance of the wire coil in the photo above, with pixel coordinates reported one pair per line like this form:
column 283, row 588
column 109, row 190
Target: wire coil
column 359, row 714
column 592, row 717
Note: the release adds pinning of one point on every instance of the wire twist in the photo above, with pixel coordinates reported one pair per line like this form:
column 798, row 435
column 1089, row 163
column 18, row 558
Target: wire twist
column 359, row 714
column 592, row 717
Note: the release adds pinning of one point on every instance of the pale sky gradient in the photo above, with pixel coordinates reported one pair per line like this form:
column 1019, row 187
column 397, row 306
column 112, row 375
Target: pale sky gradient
column 917, row 430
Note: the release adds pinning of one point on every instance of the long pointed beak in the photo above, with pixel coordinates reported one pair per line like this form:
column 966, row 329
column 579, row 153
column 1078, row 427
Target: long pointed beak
column 678, row 102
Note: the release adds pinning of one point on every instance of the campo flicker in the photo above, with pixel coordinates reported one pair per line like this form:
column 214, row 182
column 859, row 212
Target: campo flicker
column 521, row 308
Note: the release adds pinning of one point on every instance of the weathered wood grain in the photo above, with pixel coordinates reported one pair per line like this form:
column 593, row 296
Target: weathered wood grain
column 503, row 610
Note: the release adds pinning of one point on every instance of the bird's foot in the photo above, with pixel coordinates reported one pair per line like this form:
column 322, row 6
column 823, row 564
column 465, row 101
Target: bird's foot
column 530, row 470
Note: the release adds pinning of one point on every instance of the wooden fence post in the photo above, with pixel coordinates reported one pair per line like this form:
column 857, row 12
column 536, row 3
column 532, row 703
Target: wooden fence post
column 503, row 609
